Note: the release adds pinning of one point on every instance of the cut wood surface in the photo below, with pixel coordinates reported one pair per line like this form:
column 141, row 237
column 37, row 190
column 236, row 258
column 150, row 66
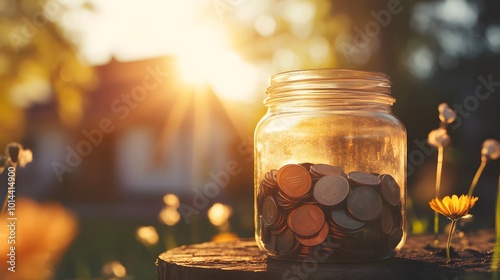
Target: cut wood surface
column 241, row 259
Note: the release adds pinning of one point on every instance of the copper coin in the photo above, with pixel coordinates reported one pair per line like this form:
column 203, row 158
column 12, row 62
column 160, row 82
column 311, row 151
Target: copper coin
column 261, row 195
column 265, row 235
column 317, row 239
column 397, row 216
column 307, row 220
column 331, row 190
column 366, row 179
column 394, row 238
column 278, row 230
column 284, row 202
column 279, row 227
column 294, row 181
column 390, row 190
column 386, row 220
column 289, row 219
column 271, row 245
column 342, row 218
column 304, row 251
column 285, row 241
column 271, row 174
column 325, row 169
column 270, row 211
column 269, row 180
column 364, row 203
column 306, row 165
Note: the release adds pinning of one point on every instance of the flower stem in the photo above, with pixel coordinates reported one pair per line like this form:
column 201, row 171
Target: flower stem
column 439, row 169
column 484, row 160
column 450, row 235
column 4, row 205
column 6, row 200
column 496, row 250
column 436, row 229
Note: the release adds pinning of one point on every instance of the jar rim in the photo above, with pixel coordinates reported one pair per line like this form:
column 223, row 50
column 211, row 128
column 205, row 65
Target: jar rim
column 326, row 73
column 331, row 83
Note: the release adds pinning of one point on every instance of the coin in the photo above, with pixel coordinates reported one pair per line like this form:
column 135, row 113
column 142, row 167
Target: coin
column 307, row 220
column 325, row 169
column 365, row 212
column 269, row 180
column 270, row 211
column 364, row 203
column 261, row 195
column 289, row 219
column 386, row 220
column 271, row 245
column 397, row 216
column 342, row 218
column 331, row 190
column 317, row 239
column 305, row 250
column 283, row 202
column 278, row 229
column 390, row 190
column 294, row 181
column 285, row 241
column 361, row 178
column 306, row 165
column 265, row 235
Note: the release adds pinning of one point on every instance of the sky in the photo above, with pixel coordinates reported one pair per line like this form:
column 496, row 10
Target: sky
column 191, row 31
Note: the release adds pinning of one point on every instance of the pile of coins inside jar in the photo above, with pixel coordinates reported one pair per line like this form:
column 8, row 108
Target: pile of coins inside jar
column 307, row 207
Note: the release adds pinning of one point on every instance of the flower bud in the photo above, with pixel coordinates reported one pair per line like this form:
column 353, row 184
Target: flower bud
column 3, row 163
column 491, row 149
column 438, row 137
column 446, row 114
column 18, row 155
column 25, row 157
column 12, row 151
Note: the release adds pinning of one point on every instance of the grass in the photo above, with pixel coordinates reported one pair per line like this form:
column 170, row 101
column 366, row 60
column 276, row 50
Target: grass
column 101, row 240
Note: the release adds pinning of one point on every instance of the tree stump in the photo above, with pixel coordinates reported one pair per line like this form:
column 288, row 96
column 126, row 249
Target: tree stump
column 241, row 259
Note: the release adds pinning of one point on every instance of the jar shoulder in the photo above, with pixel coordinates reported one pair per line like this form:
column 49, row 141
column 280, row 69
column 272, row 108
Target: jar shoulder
column 329, row 120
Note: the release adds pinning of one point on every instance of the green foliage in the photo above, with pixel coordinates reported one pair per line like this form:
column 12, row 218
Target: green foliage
column 38, row 65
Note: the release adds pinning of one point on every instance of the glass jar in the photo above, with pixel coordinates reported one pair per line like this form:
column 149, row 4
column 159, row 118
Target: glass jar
column 330, row 167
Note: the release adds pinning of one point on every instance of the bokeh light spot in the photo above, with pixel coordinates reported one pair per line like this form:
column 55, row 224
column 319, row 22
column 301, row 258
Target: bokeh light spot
column 219, row 214
column 265, row 25
column 147, row 235
column 171, row 200
column 169, row 215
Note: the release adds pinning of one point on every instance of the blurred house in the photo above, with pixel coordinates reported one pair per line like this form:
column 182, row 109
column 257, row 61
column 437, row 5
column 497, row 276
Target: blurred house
column 145, row 133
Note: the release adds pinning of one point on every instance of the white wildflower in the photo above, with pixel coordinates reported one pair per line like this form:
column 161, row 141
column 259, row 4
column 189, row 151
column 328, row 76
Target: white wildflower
column 18, row 155
column 491, row 149
column 439, row 137
column 446, row 114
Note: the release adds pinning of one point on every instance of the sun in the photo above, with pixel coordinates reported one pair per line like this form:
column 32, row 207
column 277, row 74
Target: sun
column 190, row 31
column 204, row 58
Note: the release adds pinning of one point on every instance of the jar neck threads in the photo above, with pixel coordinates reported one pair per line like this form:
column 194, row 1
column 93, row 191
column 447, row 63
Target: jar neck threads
column 326, row 88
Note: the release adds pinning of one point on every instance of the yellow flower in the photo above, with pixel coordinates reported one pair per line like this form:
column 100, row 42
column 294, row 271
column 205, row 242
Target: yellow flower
column 42, row 234
column 453, row 207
